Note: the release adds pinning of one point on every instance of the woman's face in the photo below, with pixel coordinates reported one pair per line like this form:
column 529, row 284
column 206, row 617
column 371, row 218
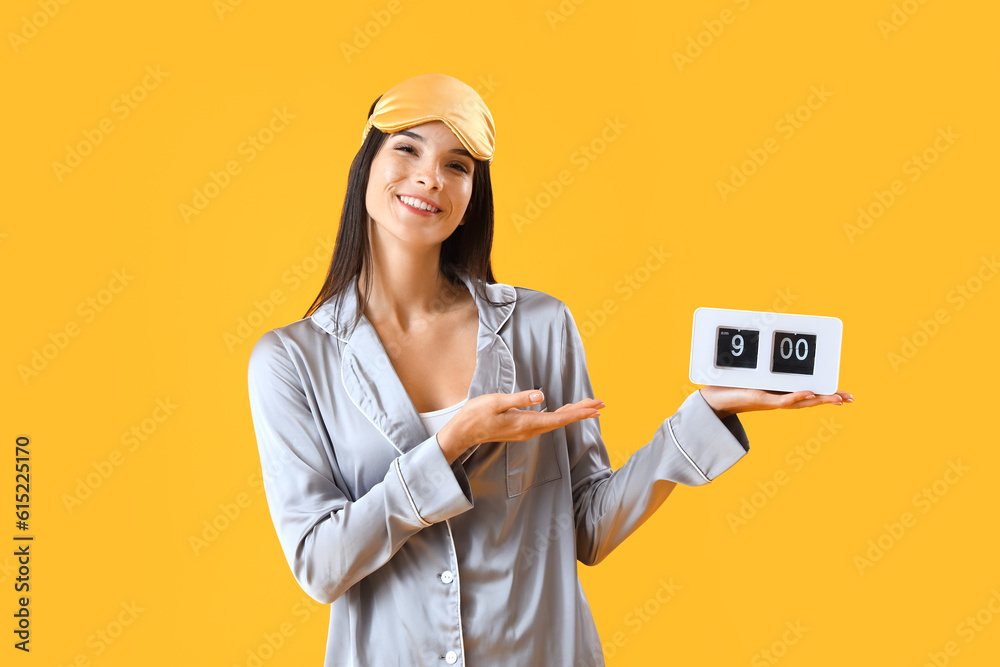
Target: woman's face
column 422, row 167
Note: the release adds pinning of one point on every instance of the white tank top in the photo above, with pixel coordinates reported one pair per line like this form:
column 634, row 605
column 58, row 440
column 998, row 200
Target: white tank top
column 436, row 419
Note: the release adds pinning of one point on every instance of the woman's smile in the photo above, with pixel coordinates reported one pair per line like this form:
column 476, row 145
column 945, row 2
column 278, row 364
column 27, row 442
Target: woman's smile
column 418, row 205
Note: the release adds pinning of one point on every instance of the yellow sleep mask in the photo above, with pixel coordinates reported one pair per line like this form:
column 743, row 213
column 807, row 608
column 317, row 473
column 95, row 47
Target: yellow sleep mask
column 428, row 97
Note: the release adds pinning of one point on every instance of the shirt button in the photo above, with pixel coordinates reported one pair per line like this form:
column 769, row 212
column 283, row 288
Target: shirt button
column 451, row 657
column 447, row 577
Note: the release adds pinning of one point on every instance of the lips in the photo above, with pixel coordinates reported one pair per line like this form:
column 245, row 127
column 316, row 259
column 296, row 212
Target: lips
column 418, row 204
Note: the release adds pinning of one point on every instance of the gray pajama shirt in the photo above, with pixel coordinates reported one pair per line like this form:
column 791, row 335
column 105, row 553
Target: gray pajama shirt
column 473, row 563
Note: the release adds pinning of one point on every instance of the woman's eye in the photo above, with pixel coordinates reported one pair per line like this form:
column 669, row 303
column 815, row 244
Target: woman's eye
column 409, row 149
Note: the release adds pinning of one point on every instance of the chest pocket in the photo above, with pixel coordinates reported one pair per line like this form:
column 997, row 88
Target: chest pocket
column 531, row 462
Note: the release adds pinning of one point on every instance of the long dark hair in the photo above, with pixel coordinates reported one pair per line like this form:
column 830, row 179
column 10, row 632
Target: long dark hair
column 467, row 250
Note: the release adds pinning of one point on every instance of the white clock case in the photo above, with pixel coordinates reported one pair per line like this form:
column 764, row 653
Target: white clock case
column 826, row 371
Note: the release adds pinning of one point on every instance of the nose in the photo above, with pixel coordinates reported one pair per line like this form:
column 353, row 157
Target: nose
column 427, row 175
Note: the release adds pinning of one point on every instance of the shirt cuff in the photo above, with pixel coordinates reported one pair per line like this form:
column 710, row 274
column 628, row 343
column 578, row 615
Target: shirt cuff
column 732, row 422
column 711, row 445
column 436, row 490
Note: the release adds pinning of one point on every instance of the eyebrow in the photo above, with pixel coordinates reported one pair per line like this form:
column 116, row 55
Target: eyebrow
column 460, row 151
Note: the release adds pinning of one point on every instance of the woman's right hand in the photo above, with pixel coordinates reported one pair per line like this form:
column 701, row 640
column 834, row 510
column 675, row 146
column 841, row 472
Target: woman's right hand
column 497, row 418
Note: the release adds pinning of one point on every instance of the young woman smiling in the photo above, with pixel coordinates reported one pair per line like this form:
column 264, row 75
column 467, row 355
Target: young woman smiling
column 432, row 457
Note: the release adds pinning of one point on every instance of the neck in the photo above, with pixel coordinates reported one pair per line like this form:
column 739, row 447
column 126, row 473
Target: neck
column 408, row 291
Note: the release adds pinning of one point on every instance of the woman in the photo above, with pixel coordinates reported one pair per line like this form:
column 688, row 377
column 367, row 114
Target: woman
column 432, row 459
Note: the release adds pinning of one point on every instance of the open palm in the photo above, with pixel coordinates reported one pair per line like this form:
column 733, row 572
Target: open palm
column 731, row 400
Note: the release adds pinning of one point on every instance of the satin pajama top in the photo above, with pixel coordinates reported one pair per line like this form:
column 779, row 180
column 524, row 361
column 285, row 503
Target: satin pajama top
column 428, row 564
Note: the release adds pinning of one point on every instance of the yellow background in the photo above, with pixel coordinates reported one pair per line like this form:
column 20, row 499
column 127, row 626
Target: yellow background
column 554, row 76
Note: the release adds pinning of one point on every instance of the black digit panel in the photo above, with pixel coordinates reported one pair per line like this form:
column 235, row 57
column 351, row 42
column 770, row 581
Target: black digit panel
column 793, row 353
column 737, row 348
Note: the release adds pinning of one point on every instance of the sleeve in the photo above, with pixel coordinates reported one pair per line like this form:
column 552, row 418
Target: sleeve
column 330, row 542
column 691, row 447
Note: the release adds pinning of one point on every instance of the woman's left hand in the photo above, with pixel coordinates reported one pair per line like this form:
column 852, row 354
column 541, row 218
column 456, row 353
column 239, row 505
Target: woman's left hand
column 728, row 401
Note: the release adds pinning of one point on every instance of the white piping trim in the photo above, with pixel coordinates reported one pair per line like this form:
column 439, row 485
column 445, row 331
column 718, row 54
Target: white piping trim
column 695, row 465
column 370, row 420
column 399, row 472
column 458, row 589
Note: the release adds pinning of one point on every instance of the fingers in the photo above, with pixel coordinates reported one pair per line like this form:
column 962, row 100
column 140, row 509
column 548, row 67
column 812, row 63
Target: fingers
column 820, row 399
column 509, row 402
column 836, row 398
column 520, row 399
column 592, row 403
column 575, row 414
column 571, row 412
column 791, row 399
column 807, row 399
column 528, row 423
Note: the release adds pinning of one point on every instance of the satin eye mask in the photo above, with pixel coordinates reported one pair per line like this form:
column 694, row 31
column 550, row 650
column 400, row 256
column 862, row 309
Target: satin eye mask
column 429, row 97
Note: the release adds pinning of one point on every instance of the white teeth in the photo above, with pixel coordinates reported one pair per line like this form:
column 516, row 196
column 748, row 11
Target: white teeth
column 416, row 203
